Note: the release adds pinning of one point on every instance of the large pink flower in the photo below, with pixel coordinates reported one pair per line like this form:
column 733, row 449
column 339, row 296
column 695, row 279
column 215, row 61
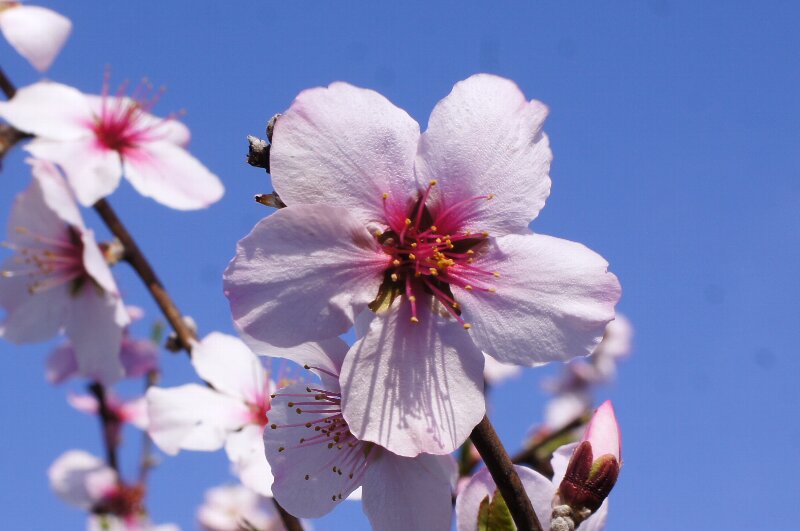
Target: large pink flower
column 37, row 33
column 58, row 278
column 420, row 237
column 97, row 139
column 317, row 461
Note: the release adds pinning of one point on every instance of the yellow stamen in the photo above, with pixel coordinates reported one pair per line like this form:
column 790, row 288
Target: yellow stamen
column 412, row 256
column 386, row 195
column 496, row 274
column 412, row 298
column 408, row 222
column 468, row 287
column 394, row 277
column 467, row 326
column 433, row 182
column 433, row 271
column 414, row 320
column 396, row 262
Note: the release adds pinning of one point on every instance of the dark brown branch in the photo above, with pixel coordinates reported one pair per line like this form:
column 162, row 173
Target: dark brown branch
column 289, row 522
column 6, row 85
column 9, row 137
column 505, row 477
column 137, row 260
column 109, row 424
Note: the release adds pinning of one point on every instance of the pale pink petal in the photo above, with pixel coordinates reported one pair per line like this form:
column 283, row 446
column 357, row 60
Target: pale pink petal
column 538, row 488
column 402, row 493
column 603, row 432
column 553, row 301
column 61, row 363
column 94, row 325
column 245, row 449
column 56, row 196
column 227, row 506
column 30, row 318
column 345, row 146
column 49, row 110
column 172, row 176
column 93, row 172
column 413, row 388
column 230, row 367
column 68, row 475
column 138, row 356
column 37, row 33
column 486, row 138
column 324, row 357
column 302, row 274
column 135, row 412
column 566, row 407
column 84, row 403
column 192, row 417
column 305, row 482
column 96, row 266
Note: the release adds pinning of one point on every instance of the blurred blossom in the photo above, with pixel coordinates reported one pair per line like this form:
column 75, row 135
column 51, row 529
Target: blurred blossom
column 231, row 413
column 138, row 356
column 132, row 411
column 98, row 139
column 416, row 238
column 228, row 507
column 36, row 33
column 496, row 372
column 318, row 461
column 58, row 278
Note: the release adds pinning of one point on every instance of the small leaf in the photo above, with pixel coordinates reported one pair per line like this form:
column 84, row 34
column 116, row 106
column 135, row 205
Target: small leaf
column 494, row 515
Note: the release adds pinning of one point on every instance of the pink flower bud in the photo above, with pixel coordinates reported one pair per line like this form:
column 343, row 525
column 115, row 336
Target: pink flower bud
column 595, row 463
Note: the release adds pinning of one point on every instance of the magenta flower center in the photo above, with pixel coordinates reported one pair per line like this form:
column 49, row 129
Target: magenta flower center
column 432, row 252
column 124, row 501
column 122, row 124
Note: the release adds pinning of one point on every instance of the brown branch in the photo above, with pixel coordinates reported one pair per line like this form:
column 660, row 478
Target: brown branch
column 109, row 424
column 6, row 85
column 290, row 522
column 505, row 477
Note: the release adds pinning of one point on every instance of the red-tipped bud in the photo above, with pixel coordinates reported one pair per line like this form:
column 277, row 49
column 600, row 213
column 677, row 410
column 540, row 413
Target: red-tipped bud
column 589, row 479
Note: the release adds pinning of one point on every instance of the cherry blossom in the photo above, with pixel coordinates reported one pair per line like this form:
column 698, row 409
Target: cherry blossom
column 120, row 411
column 138, row 356
column 495, row 372
column 318, row 461
column 415, row 238
column 85, row 481
column 36, row 33
column 58, row 278
column 231, row 413
column 541, row 491
column 98, row 139
column 233, row 507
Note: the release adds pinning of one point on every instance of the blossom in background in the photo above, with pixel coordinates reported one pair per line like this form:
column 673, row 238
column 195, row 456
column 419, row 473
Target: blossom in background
column 58, row 278
column 120, row 411
column 85, row 481
column 318, row 462
column 231, row 413
column 496, row 372
column 97, row 139
column 138, row 356
column 235, row 507
column 416, row 238
column 36, row 33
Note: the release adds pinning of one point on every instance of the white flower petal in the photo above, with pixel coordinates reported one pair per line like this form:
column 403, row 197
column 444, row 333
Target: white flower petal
column 49, row 110
column 245, row 449
column 37, row 33
column 230, row 366
column 68, row 477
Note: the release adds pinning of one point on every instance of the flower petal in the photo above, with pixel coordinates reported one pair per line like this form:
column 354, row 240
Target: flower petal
column 96, row 266
column 49, row 110
column 486, row 138
column 603, row 433
column 553, row 301
column 94, row 325
column 61, row 363
column 245, row 449
column 192, row 417
column 68, row 477
column 37, row 33
column 402, row 493
column 138, row 356
column 538, row 488
column 51, row 194
column 230, row 367
column 413, row 388
column 345, row 146
column 93, row 172
column 302, row 274
column 324, row 357
column 172, row 176
column 306, row 481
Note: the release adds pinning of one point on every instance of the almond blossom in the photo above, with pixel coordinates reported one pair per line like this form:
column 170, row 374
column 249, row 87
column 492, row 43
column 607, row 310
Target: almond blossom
column 58, row 278
column 318, row 461
column 98, row 139
column 85, row 481
column 235, row 507
column 36, row 33
column 415, row 238
column 232, row 412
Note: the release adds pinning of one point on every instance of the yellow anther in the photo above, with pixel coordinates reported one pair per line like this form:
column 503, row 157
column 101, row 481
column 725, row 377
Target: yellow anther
column 470, row 260
column 467, row 326
column 7, row 274
column 394, row 277
column 438, row 240
column 412, row 256
column 496, row 274
column 489, row 197
column 378, row 234
column 433, row 182
column 485, row 234
column 470, row 251
column 414, row 245
column 386, row 195
column 468, row 233
column 396, row 262
column 414, row 320
column 417, row 274
column 468, row 287
column 434, row 228
column 456, row 306
column 408, row 221
column 492, row 290
column 412, row 298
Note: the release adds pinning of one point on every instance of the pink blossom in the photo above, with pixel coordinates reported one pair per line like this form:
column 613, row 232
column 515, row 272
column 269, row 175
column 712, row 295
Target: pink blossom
column 541, row 491
column 138, row 357
column 37, row 33
column 97, row 139
column 415, row 238
column 132, row 411
column 318, row 461
column 231, row 507
column 231, row 413
column 58, row 278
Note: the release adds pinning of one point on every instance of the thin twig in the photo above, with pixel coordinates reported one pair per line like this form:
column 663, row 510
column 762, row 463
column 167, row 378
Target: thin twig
column 289, row 522
column 6, row 85
column 109, row 424
column 505, row 477
column 146, row 454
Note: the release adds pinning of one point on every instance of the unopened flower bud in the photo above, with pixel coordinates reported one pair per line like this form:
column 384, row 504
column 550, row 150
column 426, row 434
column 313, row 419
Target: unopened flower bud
column 595, row 463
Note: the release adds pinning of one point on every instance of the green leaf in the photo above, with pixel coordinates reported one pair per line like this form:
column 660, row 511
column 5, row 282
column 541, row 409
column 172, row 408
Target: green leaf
column 494, row 515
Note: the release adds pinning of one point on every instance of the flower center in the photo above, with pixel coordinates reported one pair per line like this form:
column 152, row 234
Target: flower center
column 430, row 254
column 123, row 501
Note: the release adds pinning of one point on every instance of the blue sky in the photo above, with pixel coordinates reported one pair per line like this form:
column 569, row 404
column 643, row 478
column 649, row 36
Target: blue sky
column 675, row 129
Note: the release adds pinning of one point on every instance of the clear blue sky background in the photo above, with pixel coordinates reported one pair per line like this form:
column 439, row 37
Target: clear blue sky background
column 675, row 128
